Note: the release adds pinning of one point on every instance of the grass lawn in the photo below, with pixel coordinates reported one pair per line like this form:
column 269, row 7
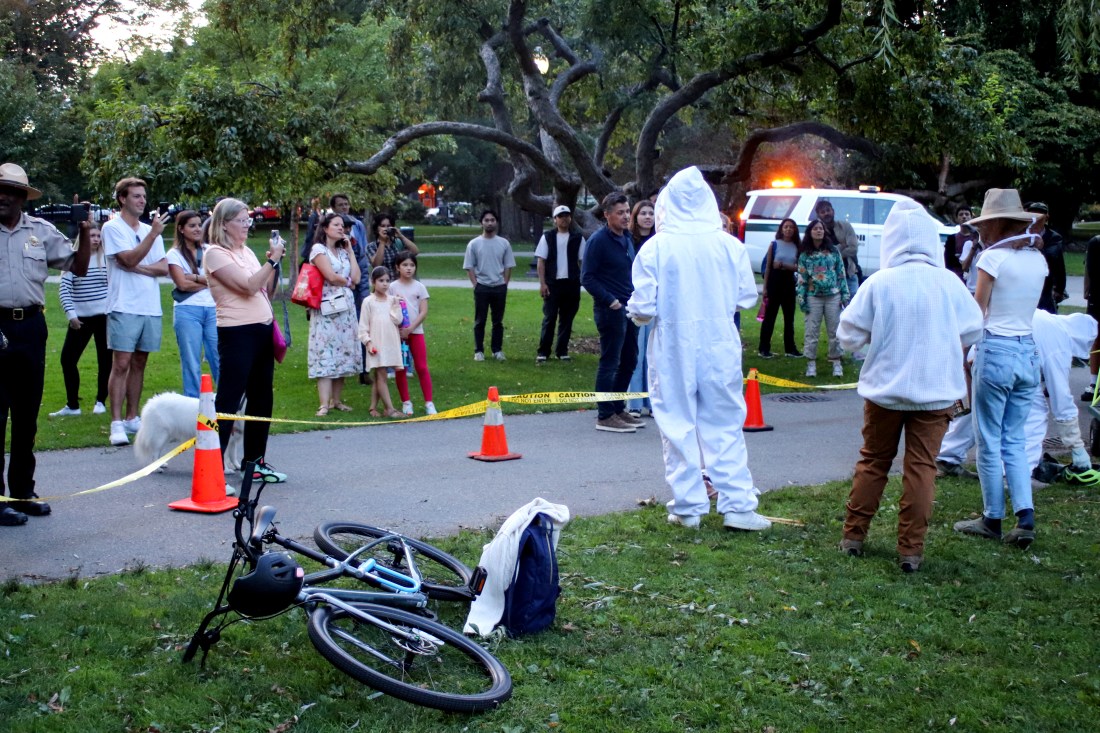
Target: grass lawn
column 456, row 378
column 658, row 629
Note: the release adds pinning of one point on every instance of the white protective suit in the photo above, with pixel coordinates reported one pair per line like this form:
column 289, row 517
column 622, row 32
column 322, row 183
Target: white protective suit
column 691, row 278
column 1059, row 339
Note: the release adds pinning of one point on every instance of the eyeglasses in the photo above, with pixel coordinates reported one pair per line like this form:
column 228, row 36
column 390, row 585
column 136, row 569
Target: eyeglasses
column 242, row 221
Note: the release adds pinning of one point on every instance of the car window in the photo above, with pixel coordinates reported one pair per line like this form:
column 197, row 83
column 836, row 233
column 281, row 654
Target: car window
column 847, row 209
column 773, row 207
column 880, row 209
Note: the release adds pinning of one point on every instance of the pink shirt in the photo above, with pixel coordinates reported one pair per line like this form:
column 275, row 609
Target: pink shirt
column 234, row 309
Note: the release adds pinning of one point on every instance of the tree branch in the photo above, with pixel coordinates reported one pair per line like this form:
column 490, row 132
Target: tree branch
column 741, row 170
column 702, row 83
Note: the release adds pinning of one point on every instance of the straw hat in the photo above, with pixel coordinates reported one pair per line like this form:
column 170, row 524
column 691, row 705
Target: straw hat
column 1003, row 203
column 13, row 176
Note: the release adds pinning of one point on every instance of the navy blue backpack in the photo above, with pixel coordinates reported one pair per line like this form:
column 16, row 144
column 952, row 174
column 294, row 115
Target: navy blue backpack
column 531, row 600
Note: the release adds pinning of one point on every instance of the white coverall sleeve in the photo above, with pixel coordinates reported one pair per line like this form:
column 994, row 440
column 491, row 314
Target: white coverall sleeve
column 854, row 331
column 643, row 302
column 746, row 286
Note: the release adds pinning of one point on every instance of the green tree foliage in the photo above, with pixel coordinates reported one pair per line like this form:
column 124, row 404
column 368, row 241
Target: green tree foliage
column 251, row 107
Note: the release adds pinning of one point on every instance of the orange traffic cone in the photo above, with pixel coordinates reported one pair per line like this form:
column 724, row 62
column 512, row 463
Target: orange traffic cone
column 754, row 418
column 494, row 444
column 208, row 478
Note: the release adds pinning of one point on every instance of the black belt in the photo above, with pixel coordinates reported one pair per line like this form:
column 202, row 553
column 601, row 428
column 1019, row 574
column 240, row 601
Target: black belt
column 19, row 314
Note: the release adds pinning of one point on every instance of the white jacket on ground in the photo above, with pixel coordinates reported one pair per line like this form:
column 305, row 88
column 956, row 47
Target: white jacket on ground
column 916, row 315
column 499, row 559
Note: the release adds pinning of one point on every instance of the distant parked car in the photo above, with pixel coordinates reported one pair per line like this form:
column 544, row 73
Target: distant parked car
column 266, row 214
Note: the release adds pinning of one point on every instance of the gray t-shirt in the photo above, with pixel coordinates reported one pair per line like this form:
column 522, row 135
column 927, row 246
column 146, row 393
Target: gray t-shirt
column 489, row 258
column 786, row 254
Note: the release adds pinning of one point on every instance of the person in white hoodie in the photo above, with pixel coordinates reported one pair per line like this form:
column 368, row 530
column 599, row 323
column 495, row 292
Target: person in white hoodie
column 918, row 318
column 689, row 280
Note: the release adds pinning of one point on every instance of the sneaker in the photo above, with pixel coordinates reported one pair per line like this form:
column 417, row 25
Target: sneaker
column 745, row 521
column 765, row 354
column 230, row 489
column 406, row 408
column 429, row 408
column 795, row 353
column 267, row 474
column 565, row 357
column 977, row 528
column 852, row 547
column 811, row 369
column 1021, row 538
column 838, row 369
column 691, row 522
column 66, row 410
column 1081, row 477
column 946, row 468
column 479, row 356
column 99, row 408
column 628, row 419
column 614, row 425
column 118, row 433
column 540, row 359
column 498, row 355
column 1086, row 396
column 132, row 425
column 910, row 563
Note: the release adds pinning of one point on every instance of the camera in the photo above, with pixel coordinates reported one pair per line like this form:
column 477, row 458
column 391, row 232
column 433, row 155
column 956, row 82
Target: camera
column 392, row 231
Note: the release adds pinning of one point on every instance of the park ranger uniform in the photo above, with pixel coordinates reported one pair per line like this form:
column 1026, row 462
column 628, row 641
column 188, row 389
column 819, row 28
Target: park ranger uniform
column 25, row 253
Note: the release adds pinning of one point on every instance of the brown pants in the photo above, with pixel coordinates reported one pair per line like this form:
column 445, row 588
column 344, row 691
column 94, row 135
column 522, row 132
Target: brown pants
column 882, row 430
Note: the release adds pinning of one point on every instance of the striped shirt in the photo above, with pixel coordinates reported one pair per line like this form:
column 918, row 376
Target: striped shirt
column 84, row 296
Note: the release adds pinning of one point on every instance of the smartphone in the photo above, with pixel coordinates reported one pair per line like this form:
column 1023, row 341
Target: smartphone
column 162, row 208
column 79, row 213
column 274, row 236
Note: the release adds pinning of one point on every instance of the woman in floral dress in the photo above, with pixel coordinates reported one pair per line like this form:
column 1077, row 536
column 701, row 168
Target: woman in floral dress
column 334, row 351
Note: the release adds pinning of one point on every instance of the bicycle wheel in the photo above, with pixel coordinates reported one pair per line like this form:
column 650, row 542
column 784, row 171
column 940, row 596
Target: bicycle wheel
column 448, row 672
column 444, row 577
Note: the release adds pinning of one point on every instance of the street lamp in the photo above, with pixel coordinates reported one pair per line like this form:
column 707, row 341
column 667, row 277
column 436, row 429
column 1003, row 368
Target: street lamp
column 541, row 62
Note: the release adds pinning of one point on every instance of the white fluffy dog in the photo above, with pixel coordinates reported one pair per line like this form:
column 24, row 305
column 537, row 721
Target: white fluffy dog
column 168, row 419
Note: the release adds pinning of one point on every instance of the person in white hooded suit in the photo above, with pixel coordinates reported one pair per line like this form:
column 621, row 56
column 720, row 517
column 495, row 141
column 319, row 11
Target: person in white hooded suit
column 917, row 317
column 689, row 280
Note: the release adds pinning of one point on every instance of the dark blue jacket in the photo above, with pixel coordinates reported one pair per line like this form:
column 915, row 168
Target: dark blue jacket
column 605, row 272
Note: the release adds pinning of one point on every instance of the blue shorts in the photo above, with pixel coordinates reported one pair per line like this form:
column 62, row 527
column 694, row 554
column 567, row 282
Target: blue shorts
column 128, row 333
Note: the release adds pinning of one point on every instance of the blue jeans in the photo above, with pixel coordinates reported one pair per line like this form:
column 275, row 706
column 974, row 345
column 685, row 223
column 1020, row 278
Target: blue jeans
column 618, row 355
column 639, row 381
column 196, row 327
column 1005, row 377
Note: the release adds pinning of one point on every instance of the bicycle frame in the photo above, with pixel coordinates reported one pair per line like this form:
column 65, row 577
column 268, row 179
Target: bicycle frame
column 400, row 590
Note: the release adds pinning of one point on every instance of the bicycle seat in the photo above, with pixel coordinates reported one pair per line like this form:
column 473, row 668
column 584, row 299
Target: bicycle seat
column 261, row 524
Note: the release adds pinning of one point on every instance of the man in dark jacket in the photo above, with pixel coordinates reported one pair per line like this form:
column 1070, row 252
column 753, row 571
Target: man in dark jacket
column 1054, row 289
column 606, row 276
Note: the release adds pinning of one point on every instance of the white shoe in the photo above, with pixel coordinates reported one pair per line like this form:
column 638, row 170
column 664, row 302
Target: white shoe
column 406, row 408
column 132, row 426
column 99, row 408
column 429, row 408
column 498, row 355
column 118, row 433
column 691, row 522
column 838, row 369
column 811, row 369
column 479, row 356
column 66, row 410
column 747, row 521
column 230, row 490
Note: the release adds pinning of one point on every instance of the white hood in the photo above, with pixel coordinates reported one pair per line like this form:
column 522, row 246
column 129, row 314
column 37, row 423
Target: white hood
column 910, row 234
column 687, row 205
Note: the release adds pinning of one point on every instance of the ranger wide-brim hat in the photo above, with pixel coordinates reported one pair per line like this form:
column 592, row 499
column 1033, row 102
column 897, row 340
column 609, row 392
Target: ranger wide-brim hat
column 13, row 176
column 1003, row 203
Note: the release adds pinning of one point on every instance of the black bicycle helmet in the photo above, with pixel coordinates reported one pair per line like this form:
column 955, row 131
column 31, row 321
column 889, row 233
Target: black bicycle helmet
column 269, row 588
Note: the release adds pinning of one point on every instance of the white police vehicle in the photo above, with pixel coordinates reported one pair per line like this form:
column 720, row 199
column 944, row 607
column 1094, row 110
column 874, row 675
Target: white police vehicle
column 866, row 210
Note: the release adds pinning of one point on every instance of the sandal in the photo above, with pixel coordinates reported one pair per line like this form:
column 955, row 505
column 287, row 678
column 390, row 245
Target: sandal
column 375, row 413
column 342, row 407
column 394, row 413
column 322, row 411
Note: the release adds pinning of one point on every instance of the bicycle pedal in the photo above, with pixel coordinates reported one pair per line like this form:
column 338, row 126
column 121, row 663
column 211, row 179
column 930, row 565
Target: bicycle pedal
column 477, row 580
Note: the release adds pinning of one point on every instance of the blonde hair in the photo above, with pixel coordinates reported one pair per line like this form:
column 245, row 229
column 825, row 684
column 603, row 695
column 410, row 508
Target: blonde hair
column 224, row 211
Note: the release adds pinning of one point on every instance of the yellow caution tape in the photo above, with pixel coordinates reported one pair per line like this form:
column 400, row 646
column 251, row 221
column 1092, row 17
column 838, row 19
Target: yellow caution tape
column 212, row 424
column 140, row 473
column 778, row 382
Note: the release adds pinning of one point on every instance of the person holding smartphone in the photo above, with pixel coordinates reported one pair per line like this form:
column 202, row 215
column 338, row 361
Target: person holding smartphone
column 388, row 241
